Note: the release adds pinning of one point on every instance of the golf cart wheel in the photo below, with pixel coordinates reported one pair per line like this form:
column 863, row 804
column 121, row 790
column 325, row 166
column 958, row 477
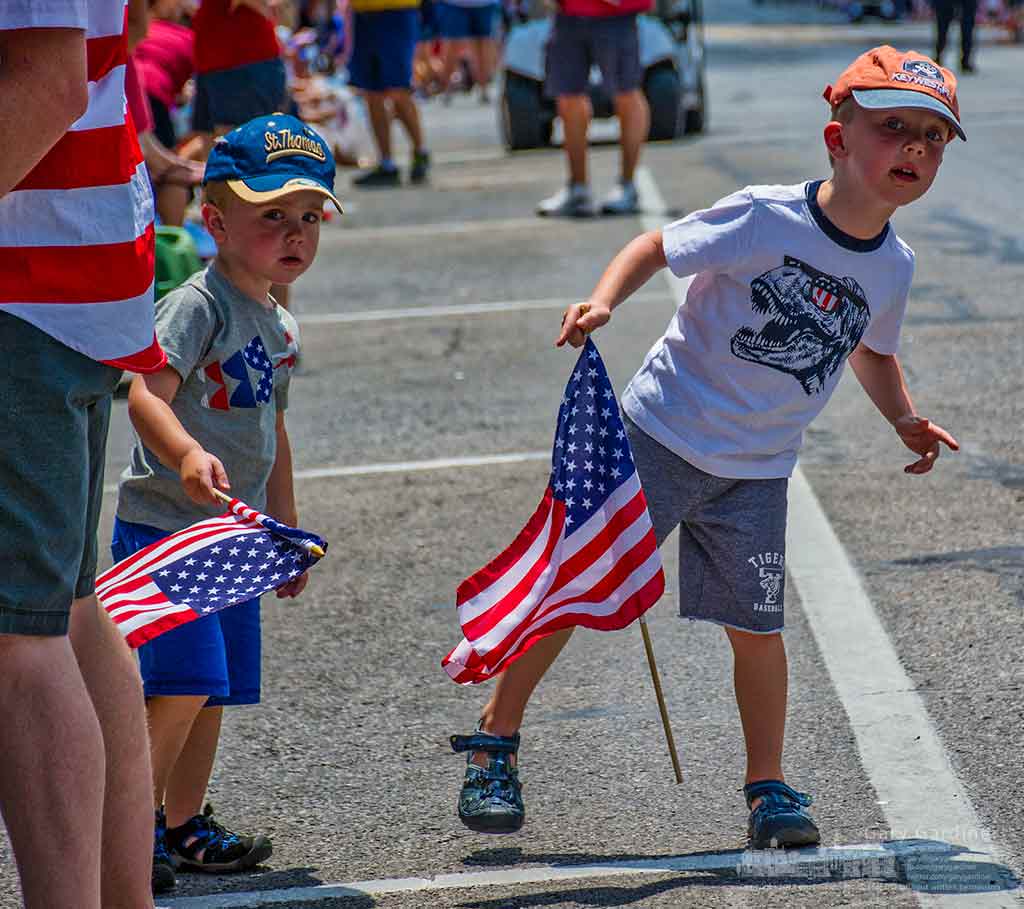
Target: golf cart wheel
column 661, row 86
column 522, row 114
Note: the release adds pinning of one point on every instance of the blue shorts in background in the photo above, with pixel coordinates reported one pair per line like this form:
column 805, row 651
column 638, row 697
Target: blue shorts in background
column 217, row 655
column 383, row 49
column 459, row 22
column 231, row 97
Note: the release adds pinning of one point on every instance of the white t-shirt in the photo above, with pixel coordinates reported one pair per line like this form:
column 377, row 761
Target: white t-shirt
column 779, row 299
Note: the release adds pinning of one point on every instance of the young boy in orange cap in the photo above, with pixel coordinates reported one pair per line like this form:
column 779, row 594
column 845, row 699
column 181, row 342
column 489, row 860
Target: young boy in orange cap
column 790, row 282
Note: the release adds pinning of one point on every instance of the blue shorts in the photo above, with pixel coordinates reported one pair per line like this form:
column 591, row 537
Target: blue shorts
column 458, row 22
column 216, row 655
column 231, row 97
column 384, row 46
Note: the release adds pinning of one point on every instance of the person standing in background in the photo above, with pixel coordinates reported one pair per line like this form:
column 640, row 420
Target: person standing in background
column 385, row 36
column 945, row 12
column 586, row 33
column 467, row 30
column 76, row 308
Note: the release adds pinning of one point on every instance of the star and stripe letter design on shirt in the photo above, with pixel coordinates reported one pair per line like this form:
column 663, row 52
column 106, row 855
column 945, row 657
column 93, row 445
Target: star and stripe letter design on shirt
column 588, row 556
column 245, row 379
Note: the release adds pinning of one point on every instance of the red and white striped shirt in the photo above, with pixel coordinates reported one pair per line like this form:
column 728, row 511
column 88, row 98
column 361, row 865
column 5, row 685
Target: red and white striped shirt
column 76, row 235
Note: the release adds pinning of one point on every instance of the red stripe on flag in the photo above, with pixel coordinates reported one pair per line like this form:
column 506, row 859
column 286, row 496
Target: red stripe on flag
column 77, row 274
column 491, row 572
column 576, row 564
column 92, row 157
column 154, row 629
column 487, row 620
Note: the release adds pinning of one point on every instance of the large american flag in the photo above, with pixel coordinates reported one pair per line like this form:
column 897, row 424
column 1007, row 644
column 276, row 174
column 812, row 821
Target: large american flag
column 206, row 567
column 587, row 556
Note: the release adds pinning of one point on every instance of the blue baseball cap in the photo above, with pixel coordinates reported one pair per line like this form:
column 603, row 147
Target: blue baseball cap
column 270, row 157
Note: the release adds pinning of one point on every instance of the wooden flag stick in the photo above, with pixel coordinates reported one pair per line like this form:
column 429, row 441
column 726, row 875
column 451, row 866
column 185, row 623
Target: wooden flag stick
column 661, row 699
column 312, row 547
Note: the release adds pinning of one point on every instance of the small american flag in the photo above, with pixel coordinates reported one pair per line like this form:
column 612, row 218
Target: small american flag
column 587, row 556
column 206, row 567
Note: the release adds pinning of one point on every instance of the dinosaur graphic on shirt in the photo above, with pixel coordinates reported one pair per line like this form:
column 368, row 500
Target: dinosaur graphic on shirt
column 814, row 322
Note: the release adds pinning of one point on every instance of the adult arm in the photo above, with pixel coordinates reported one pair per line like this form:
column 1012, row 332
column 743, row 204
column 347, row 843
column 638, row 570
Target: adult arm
column 36, row 89
column 630, row 270
column 138, row 22
column 881, row 376
column 149, row 406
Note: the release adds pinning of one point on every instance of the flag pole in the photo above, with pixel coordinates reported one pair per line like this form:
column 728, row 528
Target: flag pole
column 661, row 699
column 312, row 547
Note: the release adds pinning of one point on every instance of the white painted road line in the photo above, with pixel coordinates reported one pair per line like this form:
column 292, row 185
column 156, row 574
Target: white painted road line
column 861, row 862
column 453, row 309
column 366, row 470
column 900, row 750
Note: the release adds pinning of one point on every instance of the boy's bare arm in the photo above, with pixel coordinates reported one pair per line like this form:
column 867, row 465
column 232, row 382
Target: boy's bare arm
column 881, row 377
column 280, row 486
column 43, row 82
column 633, row 267
column 281, row 498
column 149, row 406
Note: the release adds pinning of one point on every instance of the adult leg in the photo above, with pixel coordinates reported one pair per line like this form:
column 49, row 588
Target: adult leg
column 575, row 112
column 943, row 18
column 968, row 14
column 380, row 122
column 452, row 52
column 190, row 775
column 634, row 121
column 51, row 795
column 112, row 679
column 408, row 114
column 760, row 677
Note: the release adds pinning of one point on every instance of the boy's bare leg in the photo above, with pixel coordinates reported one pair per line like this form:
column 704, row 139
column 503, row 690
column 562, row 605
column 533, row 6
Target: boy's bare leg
column 503, row 714
column 575, row 112
column 191, row 772
column 634, row 123
column 760, row 676
column 51, row 794
column 170, row 722
column 408, row 115
column 115, row 689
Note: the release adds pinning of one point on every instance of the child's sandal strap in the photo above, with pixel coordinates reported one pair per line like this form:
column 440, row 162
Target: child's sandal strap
column 481, row 741
column 765, row 788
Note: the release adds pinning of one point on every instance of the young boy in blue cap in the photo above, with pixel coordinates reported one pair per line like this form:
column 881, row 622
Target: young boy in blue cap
column 788, row 283
column 217, row 411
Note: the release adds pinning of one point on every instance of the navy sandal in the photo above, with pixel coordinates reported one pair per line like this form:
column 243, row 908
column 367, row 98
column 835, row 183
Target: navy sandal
column 491, row 798
column 780, row 820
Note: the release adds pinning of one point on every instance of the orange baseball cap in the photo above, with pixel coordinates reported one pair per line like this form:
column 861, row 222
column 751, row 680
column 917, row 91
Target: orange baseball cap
column 884, row 77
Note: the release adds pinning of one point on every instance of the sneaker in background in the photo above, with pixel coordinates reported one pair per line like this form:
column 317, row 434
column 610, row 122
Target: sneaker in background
column 379, row 177
column 572, row 201
column 201, row 844
column 622, row 200
column 420, row 169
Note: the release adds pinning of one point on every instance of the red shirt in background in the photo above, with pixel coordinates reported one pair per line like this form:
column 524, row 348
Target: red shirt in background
column 165, row 59
column 593, row 9
column 226, row 39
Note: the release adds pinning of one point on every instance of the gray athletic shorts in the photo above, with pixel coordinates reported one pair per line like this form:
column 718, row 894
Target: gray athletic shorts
column 579, row 42
column 53, row 433
column 732, row 537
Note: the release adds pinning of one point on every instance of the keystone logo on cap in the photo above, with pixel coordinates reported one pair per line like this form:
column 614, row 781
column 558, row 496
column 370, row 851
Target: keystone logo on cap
column 884, row 78
column 271, row 157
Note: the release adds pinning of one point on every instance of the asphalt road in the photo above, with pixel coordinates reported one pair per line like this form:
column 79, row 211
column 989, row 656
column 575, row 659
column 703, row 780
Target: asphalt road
column 346, row 763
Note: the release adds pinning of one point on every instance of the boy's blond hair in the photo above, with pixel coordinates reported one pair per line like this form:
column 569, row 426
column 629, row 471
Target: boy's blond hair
column 217, row 192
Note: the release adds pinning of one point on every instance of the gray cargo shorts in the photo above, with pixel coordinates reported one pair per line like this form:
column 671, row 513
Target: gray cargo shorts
column 53, row 433
column 732, row 537
column 579, row 42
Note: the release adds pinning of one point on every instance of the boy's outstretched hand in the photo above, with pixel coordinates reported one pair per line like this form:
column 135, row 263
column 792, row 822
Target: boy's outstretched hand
column 923, row 437
column 579, row 320
column 200, row 471
column 294, row 587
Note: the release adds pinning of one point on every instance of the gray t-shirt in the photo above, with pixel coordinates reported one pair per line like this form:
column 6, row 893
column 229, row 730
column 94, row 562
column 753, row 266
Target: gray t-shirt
column 235, row 357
